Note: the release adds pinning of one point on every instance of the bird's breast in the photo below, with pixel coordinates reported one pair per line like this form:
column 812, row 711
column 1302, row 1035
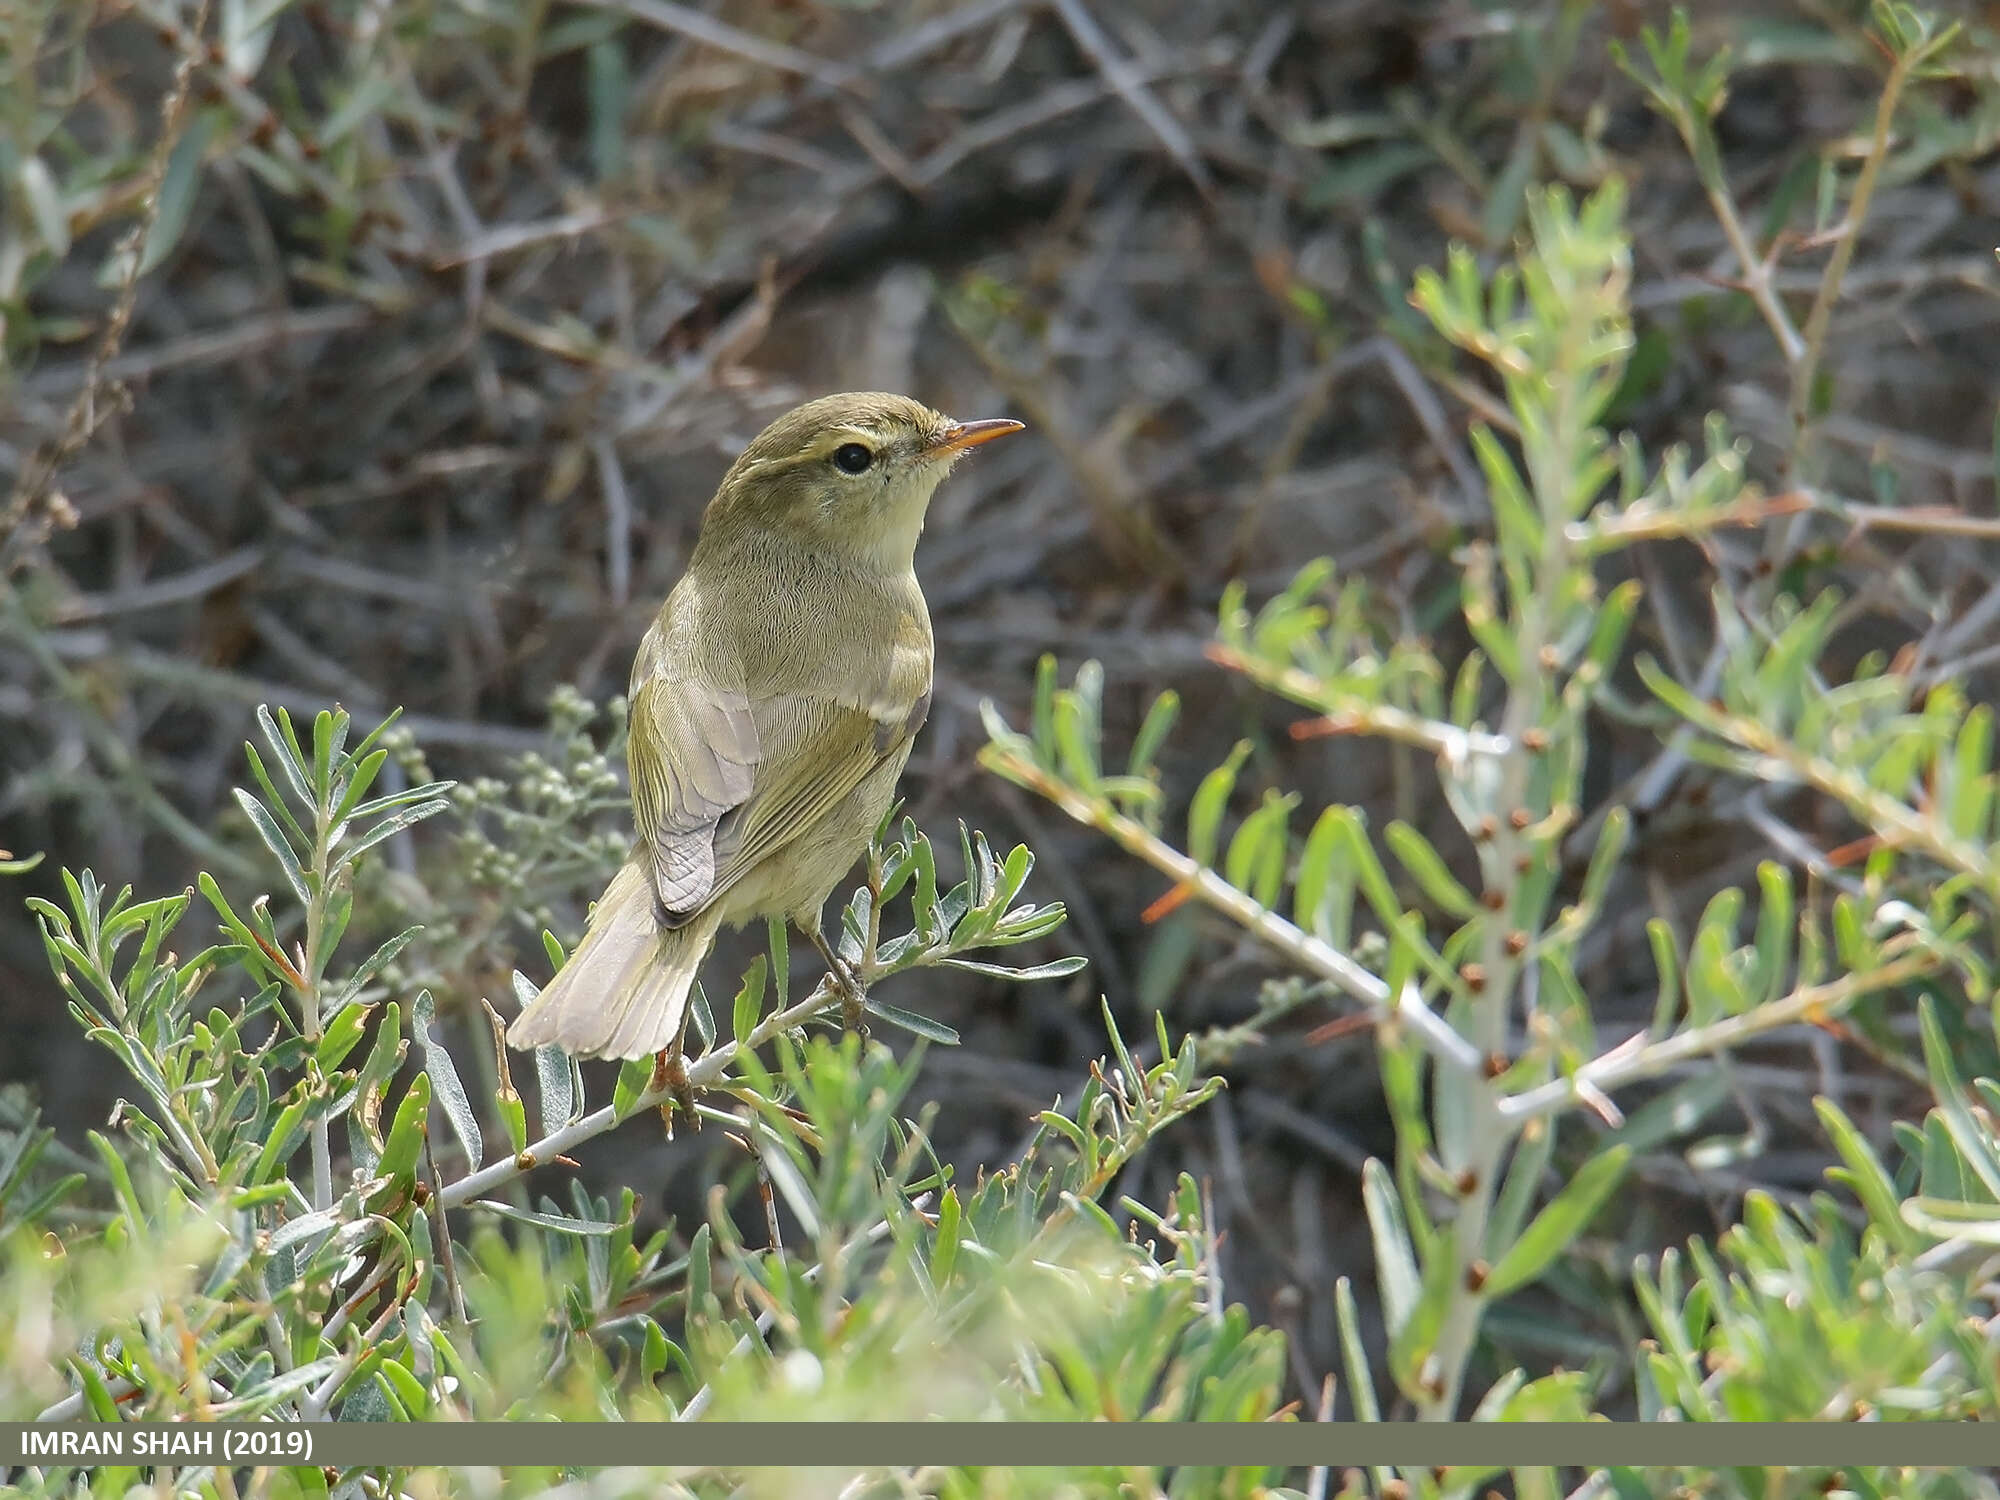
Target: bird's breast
column 805, row 624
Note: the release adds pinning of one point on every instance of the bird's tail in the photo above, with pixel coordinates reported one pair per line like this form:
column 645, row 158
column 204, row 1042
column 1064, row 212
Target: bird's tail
column 624, row 992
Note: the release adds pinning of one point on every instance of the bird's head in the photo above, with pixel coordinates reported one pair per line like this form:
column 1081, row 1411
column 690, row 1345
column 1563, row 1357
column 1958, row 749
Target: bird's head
column 853, row 473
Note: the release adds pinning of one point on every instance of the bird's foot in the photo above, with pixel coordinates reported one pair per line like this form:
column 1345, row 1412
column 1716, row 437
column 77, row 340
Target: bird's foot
column 853, row 1005
column 853, row 997
column 670, row 1072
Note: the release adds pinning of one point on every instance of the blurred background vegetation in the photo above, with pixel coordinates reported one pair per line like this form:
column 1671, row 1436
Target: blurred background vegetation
column 386, row 354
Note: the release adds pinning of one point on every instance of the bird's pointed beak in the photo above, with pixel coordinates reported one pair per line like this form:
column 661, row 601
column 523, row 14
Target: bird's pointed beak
column 962, row 435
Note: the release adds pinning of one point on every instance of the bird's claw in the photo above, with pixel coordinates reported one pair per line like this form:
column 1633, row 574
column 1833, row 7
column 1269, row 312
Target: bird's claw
column 853, row 998
column 853, row 995
column 670, row 1072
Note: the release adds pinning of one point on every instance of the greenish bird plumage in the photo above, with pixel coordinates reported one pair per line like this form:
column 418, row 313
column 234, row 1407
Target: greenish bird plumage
column 773, row 705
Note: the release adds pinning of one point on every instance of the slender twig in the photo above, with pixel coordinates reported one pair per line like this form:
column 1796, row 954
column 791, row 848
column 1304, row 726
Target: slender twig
column 1644, row 521
column 708, row 31
column 441, row 1232
column 1447, row 741
column 1891, row 819
column 214, row 347
column 1635, row 1058
column 1301, row 947
column 36, row 486
column 1095, row 45
column 505, row 239
column 1758, row 272
column 194, row 583
column 313, row 1407
column 617, row 519
column 1933, row 520
column 1050, row 104
column 1805, row 365
column 707, row 1069
column 207, row 685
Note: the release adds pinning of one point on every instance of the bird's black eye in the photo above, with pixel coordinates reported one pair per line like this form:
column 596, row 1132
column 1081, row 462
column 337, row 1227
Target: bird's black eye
column 853, row 458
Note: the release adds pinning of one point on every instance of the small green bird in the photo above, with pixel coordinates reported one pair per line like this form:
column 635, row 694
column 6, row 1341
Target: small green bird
column 773, row 703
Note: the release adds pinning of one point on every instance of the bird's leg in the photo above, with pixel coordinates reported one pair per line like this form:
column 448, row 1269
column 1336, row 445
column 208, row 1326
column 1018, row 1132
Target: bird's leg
column 852, row 996
column 670, row 1072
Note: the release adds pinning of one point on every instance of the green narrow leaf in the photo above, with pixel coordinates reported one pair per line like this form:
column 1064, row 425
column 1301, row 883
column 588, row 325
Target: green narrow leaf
column 285, row 1136
column 45, row 205
column 1713, row 985
column 359, row 780
column 1354, row 1354
column 1428, row 868
column 389, row 801
column 367, row 744
column 1775, row 928
column 285, row 746
column 324, row 736
column 1013, row 874
column 1206, row 807
column 406, row 1135
column 1153, row 732
column 275, row 840
column 781, row 952
column 1667, row 964
column 700, row 1273
column 37, row 1209
column 1674, row 1113
column 1076, row 728
column 944, row 1255
column 552, row 1077
column 910, row 1021
column 1055, row 969
column 1417, row 1339
column 1323, row 891
column 1043, row 725
column 275, row 802
column 1968, row 810
column 444, row 1076
column 633, row 1080
column 784, row 1175
column 1556, row 1227
column 394, row 824
column 749, row 1003
column 1975, row 1146
column 375, row 963
column 1518, row 1191
column 19, row 1157
column 1255, row 863
column 97, row 1396
column 514, row 1119
column 1395, row 1258
column 1864, row 1173
column 177, row 193
column 333, row 927
column 363, row 1137
column 702, row 1016
column 1612, row 837
column 560, row 1223
column 654, row 1353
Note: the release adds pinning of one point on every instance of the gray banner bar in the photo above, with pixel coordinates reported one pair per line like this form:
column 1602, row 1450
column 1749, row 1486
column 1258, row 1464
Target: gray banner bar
column 1002, row 1445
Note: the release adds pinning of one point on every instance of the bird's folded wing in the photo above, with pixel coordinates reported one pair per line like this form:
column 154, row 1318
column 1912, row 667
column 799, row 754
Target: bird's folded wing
column 821, row 751
column 695, row 757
